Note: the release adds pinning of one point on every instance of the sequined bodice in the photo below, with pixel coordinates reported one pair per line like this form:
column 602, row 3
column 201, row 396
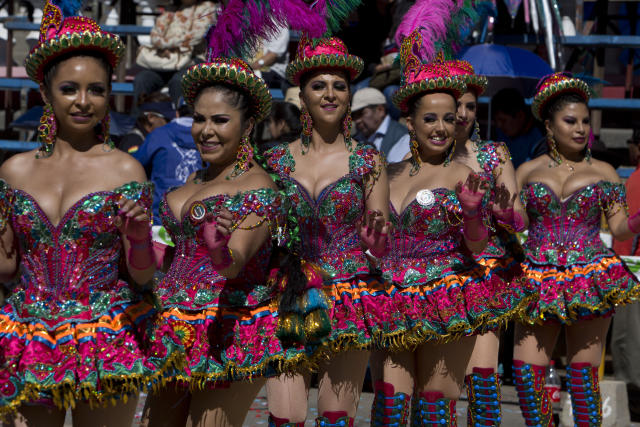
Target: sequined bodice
column 69, row 272
column 491, row 155
column 328, row 225
column 192, row 283
column 426, row 241
column 564, row 232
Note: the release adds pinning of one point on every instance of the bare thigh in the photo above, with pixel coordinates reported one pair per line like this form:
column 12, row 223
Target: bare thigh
column 36, row 416
column 441, row 367
column 340, row 382
column 120, row 415
column 534, row 343
column 485, row 352
column 397, row 369
column 288, row 397
column 225, row 407
column 585, row 340
column 167, row 407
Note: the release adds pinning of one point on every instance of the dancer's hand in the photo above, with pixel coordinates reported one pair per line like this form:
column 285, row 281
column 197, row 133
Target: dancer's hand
column 374, row 232
column 133, row 220
column 216, row 230
column 470, row 194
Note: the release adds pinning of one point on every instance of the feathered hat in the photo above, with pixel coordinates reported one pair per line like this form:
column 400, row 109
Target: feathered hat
column 61, row 32
column 325, row 53
column 232, row 71
column 418, row 78
column 464, row 71
column 243, row 24
column 554, row 85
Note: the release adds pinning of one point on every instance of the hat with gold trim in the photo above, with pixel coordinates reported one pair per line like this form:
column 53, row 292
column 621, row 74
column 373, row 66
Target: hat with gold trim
column 324, row 53
column 556, row 84
column 465, row 72
column 60, row 35
column 418, row 78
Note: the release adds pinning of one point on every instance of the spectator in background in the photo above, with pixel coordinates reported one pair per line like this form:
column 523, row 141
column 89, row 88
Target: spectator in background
column 156, row 110
column 516, row 127
column 177, row 39
column 272, row 58
column 625, row 333
column 169, row 156
column 376, row 127
column 283, row 125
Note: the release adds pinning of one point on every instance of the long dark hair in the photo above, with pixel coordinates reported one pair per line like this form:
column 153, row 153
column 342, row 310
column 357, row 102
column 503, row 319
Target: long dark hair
column 290, row 114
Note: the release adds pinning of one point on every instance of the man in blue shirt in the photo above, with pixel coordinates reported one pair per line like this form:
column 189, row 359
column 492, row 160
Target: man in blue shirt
column 516, row 127
column 169, row 156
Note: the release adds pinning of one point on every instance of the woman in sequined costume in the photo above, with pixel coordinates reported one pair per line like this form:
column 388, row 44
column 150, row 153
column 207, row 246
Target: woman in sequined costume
column 442, row 295
column 340, row 196
column 503, row 253
column 580, row 281
column 73, row 334
column 216, row 293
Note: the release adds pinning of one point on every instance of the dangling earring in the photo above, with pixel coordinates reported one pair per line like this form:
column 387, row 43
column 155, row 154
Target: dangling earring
column 103, row 135
column 307, row 129
column 243, row 159
column 475, row 135
column 347, row 123
column 587, row 155
column 47, row 132
column 553, row 150
column 415, row 154
column 452, row 149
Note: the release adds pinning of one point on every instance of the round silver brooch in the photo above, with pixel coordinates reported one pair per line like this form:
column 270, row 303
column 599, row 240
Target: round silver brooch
column 425, row 198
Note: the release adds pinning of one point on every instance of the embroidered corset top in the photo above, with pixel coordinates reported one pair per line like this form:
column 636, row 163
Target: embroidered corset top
column 491, row 155
column 192, row 283
column 563, row 232
column 69, row 272
column 426, row 242
column 327, row 226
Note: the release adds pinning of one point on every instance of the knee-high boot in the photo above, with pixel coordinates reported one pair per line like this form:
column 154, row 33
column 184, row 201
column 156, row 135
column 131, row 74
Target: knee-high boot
column 584, row 387
column 483, row 392
column 389, row 408
column 534, row 401
column 431, row 408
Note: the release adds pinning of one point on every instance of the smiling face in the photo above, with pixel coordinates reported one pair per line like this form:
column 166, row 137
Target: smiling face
column 326, row 96
column 78, row 92
column 434, row 123
column 219, row 125
column 570, row 126
column 466, row 116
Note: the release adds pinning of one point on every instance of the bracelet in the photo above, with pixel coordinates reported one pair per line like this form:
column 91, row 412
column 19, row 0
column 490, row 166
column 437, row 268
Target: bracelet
column 227, row 259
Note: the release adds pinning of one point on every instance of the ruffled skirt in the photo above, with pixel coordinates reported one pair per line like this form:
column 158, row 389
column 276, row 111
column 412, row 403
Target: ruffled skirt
column 231, row 344
column 99, row 361
column 578, row 292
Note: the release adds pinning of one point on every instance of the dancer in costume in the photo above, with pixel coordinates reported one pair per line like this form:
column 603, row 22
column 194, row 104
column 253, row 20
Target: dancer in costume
column 73, row 334
column 442, row 294
column 340, row 195
column 565, row 194
column 216, row 293
column 503, row 253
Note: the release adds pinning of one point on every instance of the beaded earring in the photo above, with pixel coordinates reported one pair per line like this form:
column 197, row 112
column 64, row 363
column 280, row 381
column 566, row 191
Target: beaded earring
column 307, row 129
column 452, row 149
column 415, row 154
column 553, row 150
column 243, row 159
column 347, row 123
column 475, row 135
column 587, row 154
column 103, row 135
column 47, row 132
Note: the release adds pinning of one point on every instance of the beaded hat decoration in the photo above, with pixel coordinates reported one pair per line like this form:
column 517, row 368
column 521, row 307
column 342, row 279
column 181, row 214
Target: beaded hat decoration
column 417, row 78
column 325, row 53
column 232, row 71
column 60, row 35
column 464, row 71
column 553, row 85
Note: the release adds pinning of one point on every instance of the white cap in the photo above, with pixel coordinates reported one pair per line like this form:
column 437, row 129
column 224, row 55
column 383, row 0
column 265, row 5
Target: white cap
column 366, row 97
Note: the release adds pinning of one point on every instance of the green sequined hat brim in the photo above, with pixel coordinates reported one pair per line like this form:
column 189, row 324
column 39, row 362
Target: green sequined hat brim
column 351, row 63
column 108, row 44
column 475, row 83
column 207, row 73
column 454, row 86
column 543, row 97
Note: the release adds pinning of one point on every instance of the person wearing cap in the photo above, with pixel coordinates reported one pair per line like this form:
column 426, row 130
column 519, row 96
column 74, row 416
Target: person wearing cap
column 74, row 335
column 625, row 331
column 169, row 155
column 376, row 127
column 578, row 280
column 339, row 194
column 155, row 112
